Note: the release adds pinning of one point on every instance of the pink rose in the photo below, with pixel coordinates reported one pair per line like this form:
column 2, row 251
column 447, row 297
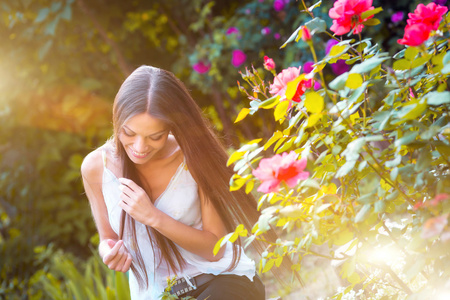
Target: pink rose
column 238, row 58
column 280, row 168
column 306, row 34
column 415, row 34
column 434, row 226
column 430, row 15
column 281, row 80
column 269, row 64
column 346, row 15
column 201, row 67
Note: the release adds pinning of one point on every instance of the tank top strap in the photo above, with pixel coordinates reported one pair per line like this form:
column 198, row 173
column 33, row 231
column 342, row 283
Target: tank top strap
column 104, row 157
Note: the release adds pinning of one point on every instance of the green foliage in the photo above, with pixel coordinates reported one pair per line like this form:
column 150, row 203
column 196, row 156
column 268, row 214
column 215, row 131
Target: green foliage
column 377, row 143
column 61, row 279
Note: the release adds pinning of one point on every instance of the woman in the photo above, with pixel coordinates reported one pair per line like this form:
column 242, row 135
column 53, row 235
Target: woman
column 160, row 197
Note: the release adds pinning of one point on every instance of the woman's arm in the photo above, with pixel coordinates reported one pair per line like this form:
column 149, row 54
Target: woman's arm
column 111, row 250
column 201, row 242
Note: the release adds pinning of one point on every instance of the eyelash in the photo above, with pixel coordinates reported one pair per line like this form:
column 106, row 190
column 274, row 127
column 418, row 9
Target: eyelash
column 153, row 139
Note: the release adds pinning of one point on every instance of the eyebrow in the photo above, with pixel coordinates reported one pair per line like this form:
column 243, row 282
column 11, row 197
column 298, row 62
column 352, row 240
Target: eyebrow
column 156, row 133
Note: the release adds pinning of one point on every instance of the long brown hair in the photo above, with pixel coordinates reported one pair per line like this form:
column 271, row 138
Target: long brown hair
column 160, row 94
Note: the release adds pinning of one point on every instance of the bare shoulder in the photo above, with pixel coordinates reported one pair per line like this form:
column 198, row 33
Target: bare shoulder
column 92, row 165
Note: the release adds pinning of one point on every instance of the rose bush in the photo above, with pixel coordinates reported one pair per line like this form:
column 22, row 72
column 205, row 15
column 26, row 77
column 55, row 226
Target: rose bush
column 377, row 143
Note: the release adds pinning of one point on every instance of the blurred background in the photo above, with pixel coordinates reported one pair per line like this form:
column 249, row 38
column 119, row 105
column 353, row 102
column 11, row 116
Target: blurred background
column 61, row 64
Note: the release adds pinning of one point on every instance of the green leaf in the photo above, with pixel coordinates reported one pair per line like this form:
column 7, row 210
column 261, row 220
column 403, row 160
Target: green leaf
column 411, row 53
column 402, row 64
column 407, row 139
column 339, row 82
column 369, row 64
column 234, row 157
column 363, row 213
column 372, row 22
column 412, row 111
column 354, row 81
column 371, row 12
column 67, row 13
column 446, row 58
column 292, row 37
column 275, row 137
column 419, row 61
column 438, row 98
column 280, row 110
column 42, row 15
column 314, row 6
column 424, row 160
column 316, row 25
column 268, row 265
column 314, row 102
column 242, row 114
column 270, row 103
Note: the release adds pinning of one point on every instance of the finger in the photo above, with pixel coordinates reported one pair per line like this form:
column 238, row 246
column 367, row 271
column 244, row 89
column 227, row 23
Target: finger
column 126, row 190
column 113, row 252
column 121, row 262
column 129, row 183
column 127, row 264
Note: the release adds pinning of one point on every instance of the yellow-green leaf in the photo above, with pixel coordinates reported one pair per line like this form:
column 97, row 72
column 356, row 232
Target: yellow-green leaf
column 275, row 137
column 314, row 102
column 234, row 157
column 337, row 49
column 242, row 114
column 280, row 110
column 292, row 86
column 313, row 119
column 249, row 186
column 354, row 81
column 268, row 265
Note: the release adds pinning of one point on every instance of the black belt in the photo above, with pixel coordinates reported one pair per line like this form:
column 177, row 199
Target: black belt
column 181, row 286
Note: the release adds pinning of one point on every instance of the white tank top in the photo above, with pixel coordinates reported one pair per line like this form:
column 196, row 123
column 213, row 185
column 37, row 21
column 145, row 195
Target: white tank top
column 180, row 201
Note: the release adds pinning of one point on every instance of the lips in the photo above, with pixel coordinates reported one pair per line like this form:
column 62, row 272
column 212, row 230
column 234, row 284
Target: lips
column 138, row 154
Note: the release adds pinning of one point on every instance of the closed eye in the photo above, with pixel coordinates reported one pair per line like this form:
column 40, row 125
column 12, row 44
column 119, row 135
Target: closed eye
column 156, row 138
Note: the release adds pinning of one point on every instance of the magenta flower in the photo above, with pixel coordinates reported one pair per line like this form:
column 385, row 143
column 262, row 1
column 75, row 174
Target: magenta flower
column 440, row 2
column 346, row 15
column 201, row 67
column 308, row 66
column 266, row 31
column 277, row 36
column 232, row 30
column 339, row 67
column 278, row 5
column 397, row 17
column 430, row 15
column 415, row 34
column 280, row 168
column 238, row 58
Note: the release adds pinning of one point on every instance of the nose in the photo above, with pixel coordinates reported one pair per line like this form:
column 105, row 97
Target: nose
column 140, row 145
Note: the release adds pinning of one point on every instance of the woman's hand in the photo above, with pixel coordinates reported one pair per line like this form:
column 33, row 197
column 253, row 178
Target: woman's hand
column 115, row 256
column 136, row 202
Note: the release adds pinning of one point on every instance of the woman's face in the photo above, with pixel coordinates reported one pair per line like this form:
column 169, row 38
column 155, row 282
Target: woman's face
column 143, row 137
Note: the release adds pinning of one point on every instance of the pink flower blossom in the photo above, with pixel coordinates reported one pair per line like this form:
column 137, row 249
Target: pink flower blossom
column 306, row 34
column 415, row 34
column 201, row 67
column 430, row 15
column 434, row 226
column 238, row 58
column 280, row 168
column 439, row 198
column 346, row 15
column 277, row 36
column 397, row 17
column 339, row 67
column 269, row 64
column 266, row 30
column 232, row 30
column 281, row 80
